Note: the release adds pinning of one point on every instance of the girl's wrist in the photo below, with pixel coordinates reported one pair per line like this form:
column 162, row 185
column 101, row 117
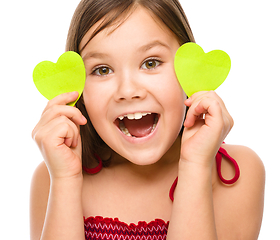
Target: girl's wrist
column 65, row 182
column 197, row 163
column 195, row 169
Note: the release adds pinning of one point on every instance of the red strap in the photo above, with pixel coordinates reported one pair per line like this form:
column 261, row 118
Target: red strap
column 172, row 189
column 96, row 169
column 222, row 152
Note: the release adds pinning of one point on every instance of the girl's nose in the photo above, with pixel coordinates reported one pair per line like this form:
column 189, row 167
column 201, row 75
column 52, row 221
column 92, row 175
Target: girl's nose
column 129, row 88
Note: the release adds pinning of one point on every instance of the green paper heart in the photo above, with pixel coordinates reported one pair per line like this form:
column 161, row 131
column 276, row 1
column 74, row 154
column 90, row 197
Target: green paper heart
column 199, row 71
column 67, row 75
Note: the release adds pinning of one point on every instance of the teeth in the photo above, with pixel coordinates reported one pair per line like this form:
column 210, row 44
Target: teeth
column 155, row 123
column 137, row 115
column 125, row 130
column 132, row 116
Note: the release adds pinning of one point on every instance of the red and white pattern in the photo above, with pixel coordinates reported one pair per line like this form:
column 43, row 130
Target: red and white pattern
column 99, row 228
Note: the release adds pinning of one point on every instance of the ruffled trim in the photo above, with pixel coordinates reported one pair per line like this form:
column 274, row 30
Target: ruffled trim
column 109, row 228
column 132, row 226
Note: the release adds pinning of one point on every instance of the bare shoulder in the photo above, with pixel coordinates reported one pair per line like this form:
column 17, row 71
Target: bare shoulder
column 239, row 208
column 40, row 183
column 244, row 156
column 251, row 166
column 39, row 193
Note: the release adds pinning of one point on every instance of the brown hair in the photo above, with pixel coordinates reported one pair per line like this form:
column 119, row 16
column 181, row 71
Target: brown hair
column 111, row 12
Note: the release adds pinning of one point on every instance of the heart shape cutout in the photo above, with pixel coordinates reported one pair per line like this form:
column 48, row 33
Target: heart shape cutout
column 199, row 71
column 67, row 75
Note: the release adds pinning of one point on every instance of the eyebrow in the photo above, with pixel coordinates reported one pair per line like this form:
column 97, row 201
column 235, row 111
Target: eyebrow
column 95, row 55
column 143, row 48
column 153, row 44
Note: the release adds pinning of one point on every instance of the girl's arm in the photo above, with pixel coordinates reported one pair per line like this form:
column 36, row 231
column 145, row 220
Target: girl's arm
column 193, row 212
column 56, row 190
column 56, row 208
column 204, row 208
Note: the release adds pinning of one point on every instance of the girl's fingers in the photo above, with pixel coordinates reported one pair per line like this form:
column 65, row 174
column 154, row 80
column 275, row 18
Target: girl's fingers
column 57, row 107
column 59, row 131
column 210, row 107
column 72, row 113
column 203, row 104
column 62, row 99
column 206, row 107
column 195, row 97
column 67, row 135
column 57, row 113
column 65, row 113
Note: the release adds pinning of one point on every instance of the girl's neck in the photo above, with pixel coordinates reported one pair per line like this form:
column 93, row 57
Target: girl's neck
column 168, row 161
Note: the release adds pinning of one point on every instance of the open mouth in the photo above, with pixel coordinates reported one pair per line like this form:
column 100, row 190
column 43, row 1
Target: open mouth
column 137, row 124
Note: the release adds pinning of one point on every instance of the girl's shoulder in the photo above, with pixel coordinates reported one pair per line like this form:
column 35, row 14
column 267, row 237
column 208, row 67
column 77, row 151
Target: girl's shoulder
column 40, row 186
column 39, row 194
column 249, row 162
column 242, row 202
column 41, row 179
column 41, row 176
column 251, row 167
column 240, row 150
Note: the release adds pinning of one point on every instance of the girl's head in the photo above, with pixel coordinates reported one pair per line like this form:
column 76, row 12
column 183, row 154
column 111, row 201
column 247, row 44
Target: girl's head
column 128, row 47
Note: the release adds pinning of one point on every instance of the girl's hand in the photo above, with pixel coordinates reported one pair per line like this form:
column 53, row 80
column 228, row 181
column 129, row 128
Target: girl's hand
column 58, row 136
column 206, row 126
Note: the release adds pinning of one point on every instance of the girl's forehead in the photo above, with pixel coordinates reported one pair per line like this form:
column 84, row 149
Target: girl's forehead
column 136, row 22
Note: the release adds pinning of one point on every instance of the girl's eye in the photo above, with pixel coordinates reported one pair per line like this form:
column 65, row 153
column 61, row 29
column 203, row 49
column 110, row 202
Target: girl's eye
column 102, row 71
column 151, row 64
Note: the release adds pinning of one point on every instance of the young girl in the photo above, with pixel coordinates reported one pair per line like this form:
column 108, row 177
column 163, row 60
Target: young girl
column 130, row 161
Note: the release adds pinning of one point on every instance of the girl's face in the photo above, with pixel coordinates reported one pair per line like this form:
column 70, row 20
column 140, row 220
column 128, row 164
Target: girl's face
column 131, row 94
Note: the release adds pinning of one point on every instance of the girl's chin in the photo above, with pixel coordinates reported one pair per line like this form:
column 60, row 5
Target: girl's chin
column 143, row 159
column 141, row 156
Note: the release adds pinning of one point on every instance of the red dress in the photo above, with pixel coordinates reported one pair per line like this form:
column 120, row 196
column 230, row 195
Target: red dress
column 99, row 228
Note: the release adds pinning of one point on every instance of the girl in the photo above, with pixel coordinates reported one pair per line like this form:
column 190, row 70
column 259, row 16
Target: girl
column 132, row 119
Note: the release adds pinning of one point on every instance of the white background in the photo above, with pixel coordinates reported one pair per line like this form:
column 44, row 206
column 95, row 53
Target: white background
column 33, row 31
